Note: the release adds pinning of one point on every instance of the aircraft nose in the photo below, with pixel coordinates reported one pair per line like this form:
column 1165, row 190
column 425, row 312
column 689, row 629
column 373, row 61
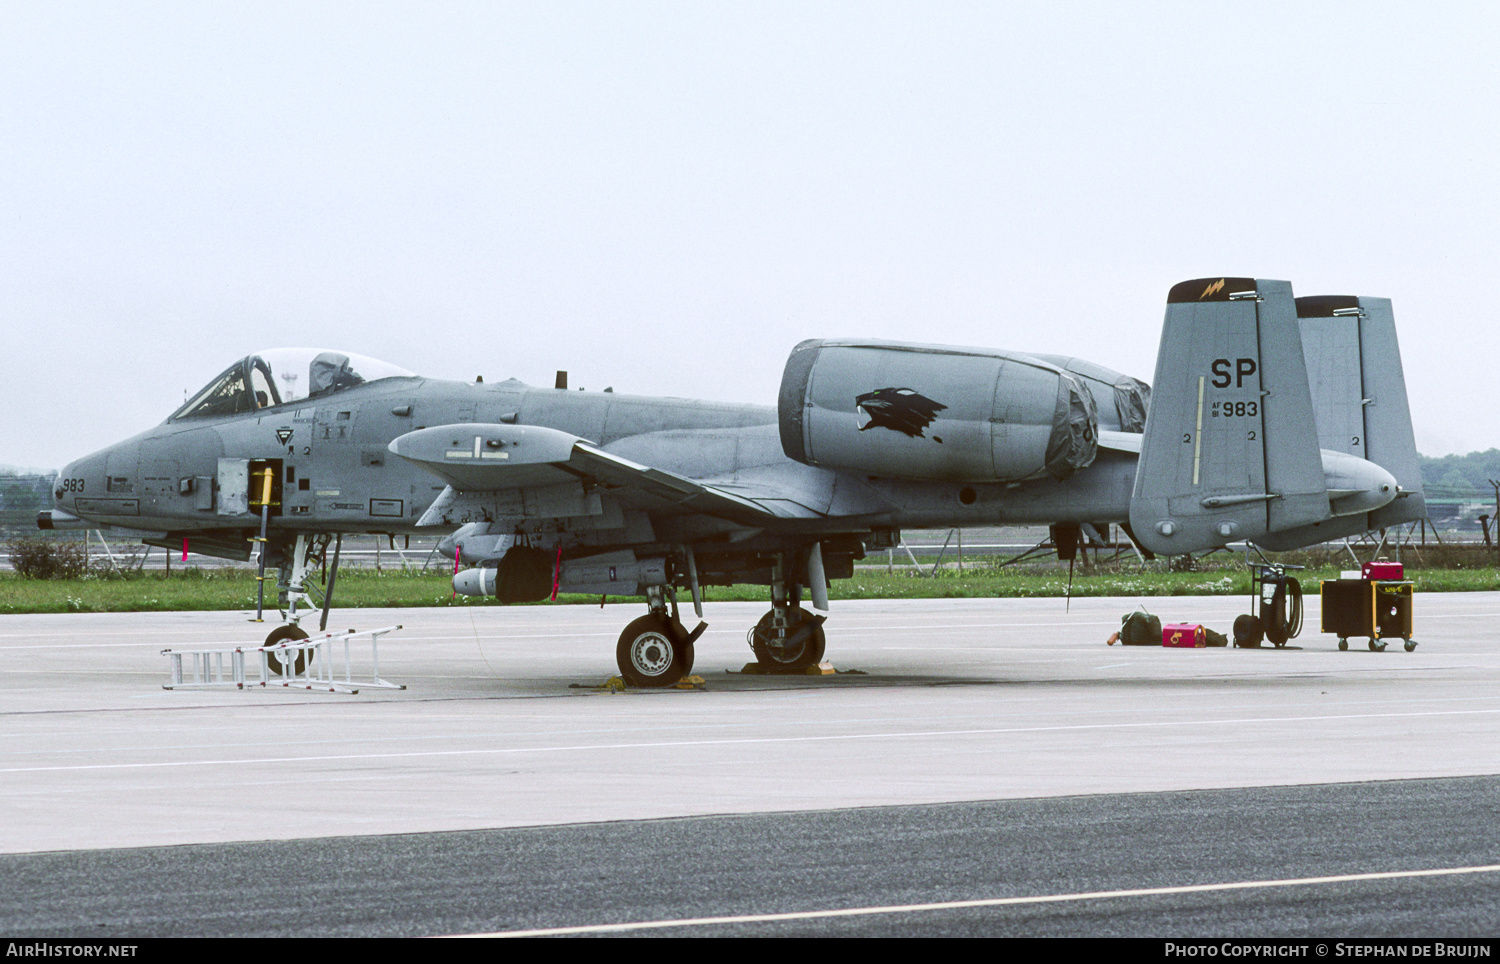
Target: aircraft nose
column 84, row 478
column 70, row 482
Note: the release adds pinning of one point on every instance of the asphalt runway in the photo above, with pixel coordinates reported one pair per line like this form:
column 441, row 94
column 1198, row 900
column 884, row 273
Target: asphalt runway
column 655, row 872
column 985, row 750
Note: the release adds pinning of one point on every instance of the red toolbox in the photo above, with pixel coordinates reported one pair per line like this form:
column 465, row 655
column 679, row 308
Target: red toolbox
column 1183, row 635
column 1383, row 571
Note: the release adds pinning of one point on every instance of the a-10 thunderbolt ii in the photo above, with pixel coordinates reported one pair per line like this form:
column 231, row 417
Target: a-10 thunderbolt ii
column 1276, row 421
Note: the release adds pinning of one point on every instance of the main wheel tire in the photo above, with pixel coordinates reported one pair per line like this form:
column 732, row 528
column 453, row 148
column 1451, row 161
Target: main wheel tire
column 802, row 646
column 278, row 661
column 1411, row 644
column 651, row 654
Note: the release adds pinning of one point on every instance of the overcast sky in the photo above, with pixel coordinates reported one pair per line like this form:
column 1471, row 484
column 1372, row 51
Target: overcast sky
column 666, row 197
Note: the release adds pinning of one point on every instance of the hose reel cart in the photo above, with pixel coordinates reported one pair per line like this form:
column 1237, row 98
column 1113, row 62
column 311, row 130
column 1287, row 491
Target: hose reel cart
column 1277, row 600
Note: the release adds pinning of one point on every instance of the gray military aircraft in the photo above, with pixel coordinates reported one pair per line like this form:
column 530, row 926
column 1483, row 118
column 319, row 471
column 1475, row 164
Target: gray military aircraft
column 1277, row 421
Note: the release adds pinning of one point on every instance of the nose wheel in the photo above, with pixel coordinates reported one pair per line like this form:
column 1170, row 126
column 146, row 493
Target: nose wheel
column 287, row 662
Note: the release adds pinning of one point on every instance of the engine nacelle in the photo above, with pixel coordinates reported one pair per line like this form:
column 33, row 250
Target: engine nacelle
column 1131, row 397
column 934, row 412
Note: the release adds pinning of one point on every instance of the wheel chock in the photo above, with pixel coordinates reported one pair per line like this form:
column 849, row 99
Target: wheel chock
column 824, row 668
column 615, row 684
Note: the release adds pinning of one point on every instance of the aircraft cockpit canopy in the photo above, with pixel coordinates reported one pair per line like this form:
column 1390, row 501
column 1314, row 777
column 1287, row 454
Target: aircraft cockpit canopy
column 280, row 376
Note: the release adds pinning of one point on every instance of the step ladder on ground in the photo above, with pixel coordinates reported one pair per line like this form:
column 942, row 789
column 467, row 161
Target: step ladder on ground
column 304, row 663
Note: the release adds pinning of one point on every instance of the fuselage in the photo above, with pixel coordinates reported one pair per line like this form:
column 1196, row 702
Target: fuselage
column 324, row 464
column 333, row 470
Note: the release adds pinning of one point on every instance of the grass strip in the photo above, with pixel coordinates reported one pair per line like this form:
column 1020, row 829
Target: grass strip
column 234, row 589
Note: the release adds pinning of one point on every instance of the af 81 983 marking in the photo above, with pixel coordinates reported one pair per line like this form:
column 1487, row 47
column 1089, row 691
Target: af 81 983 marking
column 1234, row 409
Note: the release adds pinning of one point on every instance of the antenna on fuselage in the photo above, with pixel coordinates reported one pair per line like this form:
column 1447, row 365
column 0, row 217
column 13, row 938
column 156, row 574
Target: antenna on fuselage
column 562, row 380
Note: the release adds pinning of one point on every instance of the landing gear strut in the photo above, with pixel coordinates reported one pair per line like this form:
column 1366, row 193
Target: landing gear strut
column 788, row 639
column 656, row 650
column 306, row 554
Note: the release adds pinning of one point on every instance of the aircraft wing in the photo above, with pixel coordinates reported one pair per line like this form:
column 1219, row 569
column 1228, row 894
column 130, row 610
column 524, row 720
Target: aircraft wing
column 542, row 472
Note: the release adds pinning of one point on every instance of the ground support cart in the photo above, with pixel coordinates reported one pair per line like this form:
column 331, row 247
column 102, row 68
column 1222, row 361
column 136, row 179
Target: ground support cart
column 1375, row 608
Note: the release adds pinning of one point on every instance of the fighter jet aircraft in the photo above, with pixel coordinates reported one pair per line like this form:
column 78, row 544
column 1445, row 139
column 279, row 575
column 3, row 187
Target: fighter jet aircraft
column 1278, row 421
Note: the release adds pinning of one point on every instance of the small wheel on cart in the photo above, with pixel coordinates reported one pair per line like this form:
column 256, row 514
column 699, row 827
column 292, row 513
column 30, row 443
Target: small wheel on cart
column 1343, row 644
column 1376, row 646
column 1410, row 644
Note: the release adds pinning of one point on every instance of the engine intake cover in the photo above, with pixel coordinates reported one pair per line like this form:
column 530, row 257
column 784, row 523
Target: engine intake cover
column 933, row 412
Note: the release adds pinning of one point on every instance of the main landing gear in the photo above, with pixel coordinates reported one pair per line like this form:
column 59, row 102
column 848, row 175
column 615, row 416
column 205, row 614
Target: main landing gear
column 788, row 639
column 657, row 650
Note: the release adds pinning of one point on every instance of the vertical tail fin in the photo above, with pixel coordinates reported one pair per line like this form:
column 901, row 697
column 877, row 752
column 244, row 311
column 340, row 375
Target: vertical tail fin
column 1359, row 393
column 1231, row 447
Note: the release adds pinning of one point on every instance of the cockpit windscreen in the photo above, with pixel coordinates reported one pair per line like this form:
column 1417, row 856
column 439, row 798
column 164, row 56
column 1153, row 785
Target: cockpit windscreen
column 282, row 375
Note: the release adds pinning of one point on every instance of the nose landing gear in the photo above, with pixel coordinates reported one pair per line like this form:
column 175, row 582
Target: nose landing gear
column 287, row 662
column 295, row 564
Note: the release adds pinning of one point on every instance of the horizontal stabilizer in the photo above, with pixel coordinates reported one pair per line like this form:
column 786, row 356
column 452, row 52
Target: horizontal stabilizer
column 1338, row 527
column 1120, row 441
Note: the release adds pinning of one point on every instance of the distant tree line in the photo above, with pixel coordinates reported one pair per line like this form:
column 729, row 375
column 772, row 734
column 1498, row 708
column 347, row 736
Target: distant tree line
column 21, row 497
column 1461, row 476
